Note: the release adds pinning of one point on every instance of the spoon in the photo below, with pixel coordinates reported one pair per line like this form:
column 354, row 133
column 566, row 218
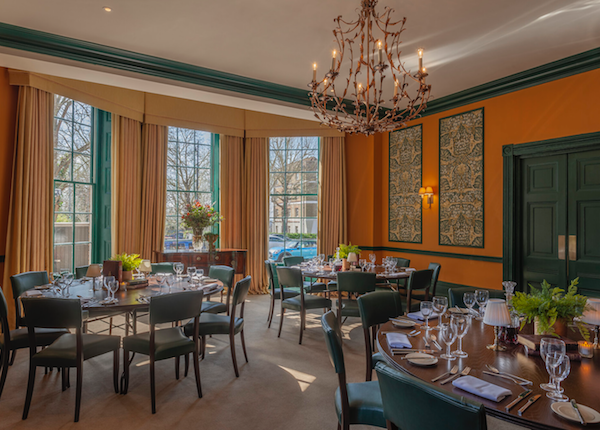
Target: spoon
column 434, row 340
column 519, row 380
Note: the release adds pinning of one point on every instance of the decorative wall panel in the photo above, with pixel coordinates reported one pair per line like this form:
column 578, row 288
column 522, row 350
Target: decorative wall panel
column 405, row 205
column 461, row 179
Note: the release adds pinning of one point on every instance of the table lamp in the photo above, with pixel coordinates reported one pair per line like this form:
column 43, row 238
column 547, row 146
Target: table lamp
column 592, row 317
column 496, row 314
column 93, row 272
column 145, row 267
column 352, row 258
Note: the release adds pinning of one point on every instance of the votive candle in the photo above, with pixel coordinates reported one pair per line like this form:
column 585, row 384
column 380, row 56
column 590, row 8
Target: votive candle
column 586, row 349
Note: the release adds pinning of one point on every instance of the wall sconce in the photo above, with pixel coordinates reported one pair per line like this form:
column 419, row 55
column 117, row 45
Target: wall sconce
column 427, row 193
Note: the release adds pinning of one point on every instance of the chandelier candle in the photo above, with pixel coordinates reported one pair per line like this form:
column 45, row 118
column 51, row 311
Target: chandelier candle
column 314, row 72
column 420, row 52
column 332, row 65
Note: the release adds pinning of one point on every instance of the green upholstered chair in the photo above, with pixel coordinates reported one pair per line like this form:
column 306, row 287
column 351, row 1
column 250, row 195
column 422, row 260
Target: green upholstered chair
column 275, row 289
column 292, row 260
column 21, row 283
column 455, row 295
column 12, row 340
column 291, row 277
column 81, row 271
column 211, row 324
column 225, row 274
column 69, row 350
column 310, row 285
column 162, row 268
column 436, row 267
column 377, row 308
column 418, row 289
column 355, row 403
column 353, row 283
column 402, row 262
column 168, row 342
column 410, row 404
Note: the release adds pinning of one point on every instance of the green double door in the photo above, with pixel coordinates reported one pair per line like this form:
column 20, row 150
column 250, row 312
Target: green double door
column 560, row 203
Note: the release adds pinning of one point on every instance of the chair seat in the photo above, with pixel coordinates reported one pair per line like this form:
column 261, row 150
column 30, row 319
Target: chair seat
column 214, row 307
column 332, row 286
column 214, row 324
column 43, row 336
column 364, row 399
column 287, row 293
column 376, row 358
column 310, row 302
column 63, row 351
column 350, row 308
column 169, row 342
column 314, row 287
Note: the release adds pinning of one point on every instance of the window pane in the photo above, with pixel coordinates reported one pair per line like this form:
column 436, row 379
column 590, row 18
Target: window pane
column 309, row 227
column 63, row 228
column 310, row 183
column 203, row 157
column 83, row 254
column 82, row 168
column 83, row 228
column 187, row 179
column 277, row 161
column 82, row 113
column 83, row 198
column 310, row 206
column 171, row 178
column 294, row 161
column 63, row 107
column 171, row 203
column 63, row 197
column 203, row 180
column 293, row 185
column 276, row 183
column 82, row 138
column 62, row 165
column 63, row 258
column 310, row 161
column 63, row 136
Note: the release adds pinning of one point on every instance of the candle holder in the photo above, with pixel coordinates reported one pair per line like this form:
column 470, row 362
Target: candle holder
column 585, row 348
column 592, row 317
column 496, row 314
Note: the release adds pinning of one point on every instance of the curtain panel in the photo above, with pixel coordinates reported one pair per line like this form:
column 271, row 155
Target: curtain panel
column 232, row 171
column 29, row 238
column 332, row 215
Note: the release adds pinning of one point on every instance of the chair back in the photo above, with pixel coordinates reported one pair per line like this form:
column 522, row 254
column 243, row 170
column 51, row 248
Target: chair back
column 240, row 292
column 272, row 278
column 378, row 307
column 175, row 307
column 436, row 267
column 455, row 295
column 293, row 260
column 224, row 274
column 21, row 283
column 162, row 268
column 402, row 262
column 403, row 394
column 333, row 339
column 356, row 282
column 290, row 277
column 418, row 280
column 47, row 312
column 4, row 327
column 81, row 271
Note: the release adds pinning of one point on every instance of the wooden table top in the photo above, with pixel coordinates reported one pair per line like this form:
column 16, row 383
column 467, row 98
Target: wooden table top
column 328, row 274
column 582, row 384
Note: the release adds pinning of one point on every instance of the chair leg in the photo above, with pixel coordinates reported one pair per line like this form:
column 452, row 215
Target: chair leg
column 196, row 358
column 339, row 427
column 64, row 379
column 187, row 365
column 232, row 346
column 78, row 390
column 177, row 367
column 125, row 381
column 302, row 318
column 244, row 345
column 203, row 340
column 116, row 370
column 271, row 311
column 152, row 387
column 4, row 366
column 30, row 383
column 12, row 357
column 390, row 425
column 110, row 326
column 281, row 321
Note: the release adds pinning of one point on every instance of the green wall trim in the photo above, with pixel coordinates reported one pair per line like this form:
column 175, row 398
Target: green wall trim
column 434, row 253
column 93, row 53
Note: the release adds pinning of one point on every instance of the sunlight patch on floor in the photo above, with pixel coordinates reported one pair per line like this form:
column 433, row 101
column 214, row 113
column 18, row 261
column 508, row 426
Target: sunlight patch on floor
column 304, row 379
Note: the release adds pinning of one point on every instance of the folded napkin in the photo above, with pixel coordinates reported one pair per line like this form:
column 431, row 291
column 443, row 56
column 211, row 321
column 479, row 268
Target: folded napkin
column 410, row 269
column 33, row 293
column 398, row 340
column 481, row 388
column 419, row 316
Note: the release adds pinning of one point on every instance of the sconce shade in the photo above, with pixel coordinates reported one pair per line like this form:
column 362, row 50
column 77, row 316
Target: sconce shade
column 496, row 313
column 592, row 315
column 429, row 190
column 352, row 257
column 93, row 271
column 145, row 266
column 422, row 191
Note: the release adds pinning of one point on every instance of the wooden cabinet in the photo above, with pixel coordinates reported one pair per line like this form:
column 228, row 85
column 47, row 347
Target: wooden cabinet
column 235, row 258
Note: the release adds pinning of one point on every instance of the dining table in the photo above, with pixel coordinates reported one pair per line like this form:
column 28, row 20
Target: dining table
column 331, row 275
column 582, row 384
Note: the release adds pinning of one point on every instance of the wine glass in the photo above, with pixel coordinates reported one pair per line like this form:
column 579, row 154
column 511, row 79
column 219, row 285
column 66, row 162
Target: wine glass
column 170, row 280
column 462, row 327
column 373, row 259
column 469, row 301
column 426, row 311
column 68, row 280
column 362, row 262
column 191, row 271
column 549, row 345
column 440, row 305
column 178, row 269
column 558, row 366
column 481, row 297
column 107, row 280
column 113, row 286
column 448, row 335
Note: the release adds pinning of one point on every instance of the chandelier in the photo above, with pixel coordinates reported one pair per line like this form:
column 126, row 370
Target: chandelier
column 365, row 111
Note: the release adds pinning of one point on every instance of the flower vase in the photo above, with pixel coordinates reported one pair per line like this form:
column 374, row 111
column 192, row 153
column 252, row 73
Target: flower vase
column 211, row 239
column 345, row 264
column 127, row 275
column 197, row 241
column 560, row 328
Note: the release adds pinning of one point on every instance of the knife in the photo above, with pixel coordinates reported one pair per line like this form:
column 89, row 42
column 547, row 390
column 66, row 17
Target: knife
column 529, row 403
column 518, row 399
column 576, row 407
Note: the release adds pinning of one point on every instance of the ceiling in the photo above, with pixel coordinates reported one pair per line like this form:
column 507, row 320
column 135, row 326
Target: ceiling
column 466, row 42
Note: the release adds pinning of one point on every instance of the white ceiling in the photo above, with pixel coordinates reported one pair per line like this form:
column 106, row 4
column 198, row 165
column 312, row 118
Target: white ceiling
column 466, row 42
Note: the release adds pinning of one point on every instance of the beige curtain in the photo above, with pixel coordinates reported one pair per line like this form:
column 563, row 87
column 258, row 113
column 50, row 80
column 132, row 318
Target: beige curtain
column 154, row 189
column 29, row 238
column 256, row 194
column 231, row 172
column 333, row 226
column 126, row 186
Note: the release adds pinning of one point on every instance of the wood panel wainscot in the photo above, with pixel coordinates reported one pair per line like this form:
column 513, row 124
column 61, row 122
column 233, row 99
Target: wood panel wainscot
column 235, row 258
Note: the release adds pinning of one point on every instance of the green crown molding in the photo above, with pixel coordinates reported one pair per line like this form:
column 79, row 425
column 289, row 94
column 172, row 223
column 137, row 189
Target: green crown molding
column 434, row 253
column 54, row 45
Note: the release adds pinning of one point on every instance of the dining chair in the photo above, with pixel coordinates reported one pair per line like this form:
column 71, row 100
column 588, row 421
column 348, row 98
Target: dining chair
column 355, row 403
column 419, row 282
column 162, row 268
column 291, row 277
column 23, row 282
column 377, row 308
column 212, row 324
column 225, row 274
column 292, row 260
column 455, row 295
column 436, row 267
column 275, row 289
column 69, row 350
column 412, row 404
column 311, row 285
column 353, row 283
column 168, row 342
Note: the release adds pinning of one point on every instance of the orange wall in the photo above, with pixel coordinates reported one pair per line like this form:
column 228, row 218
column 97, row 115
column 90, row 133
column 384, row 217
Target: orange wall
column 8, row 114
column 560, row 108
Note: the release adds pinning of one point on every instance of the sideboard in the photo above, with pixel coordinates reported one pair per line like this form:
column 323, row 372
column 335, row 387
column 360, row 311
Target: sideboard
column 235, row 258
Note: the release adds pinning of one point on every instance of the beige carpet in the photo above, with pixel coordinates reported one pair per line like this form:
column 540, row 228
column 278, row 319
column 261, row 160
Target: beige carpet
column 284, row 386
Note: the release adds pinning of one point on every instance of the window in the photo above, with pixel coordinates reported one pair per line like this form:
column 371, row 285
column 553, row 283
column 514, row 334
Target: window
column 73, row 183
column 191, row 175
column 293, row 199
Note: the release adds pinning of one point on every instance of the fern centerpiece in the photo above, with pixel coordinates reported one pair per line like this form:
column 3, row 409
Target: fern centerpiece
column 548, row 305
column 129, row 262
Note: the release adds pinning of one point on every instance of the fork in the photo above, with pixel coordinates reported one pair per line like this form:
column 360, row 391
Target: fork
column 443, row 375
column 518, row 379
column 465, row 372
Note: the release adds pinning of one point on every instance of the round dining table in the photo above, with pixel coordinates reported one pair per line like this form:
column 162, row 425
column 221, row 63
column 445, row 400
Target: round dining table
column 582, row 384
column 331, row 275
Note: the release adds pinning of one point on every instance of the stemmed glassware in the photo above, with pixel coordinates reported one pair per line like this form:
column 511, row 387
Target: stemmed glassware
column 68, row 280
column 462, row 327
column 191, row 271
column 372, row 259
column 549, row 346
column 362, row 262
column 170, row 280
column 469, row 301
column 558, row 366
column 178, row 269
column 440, row 306
column 113, row 287
column 426, row 311
column 482, row 297
column 448, row 335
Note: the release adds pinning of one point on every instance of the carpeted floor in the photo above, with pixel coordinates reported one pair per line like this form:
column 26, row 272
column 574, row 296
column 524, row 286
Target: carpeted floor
column 284, row 386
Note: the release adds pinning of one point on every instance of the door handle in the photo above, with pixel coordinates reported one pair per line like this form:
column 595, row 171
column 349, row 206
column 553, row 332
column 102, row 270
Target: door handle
column 573, row 247
column 561, row 247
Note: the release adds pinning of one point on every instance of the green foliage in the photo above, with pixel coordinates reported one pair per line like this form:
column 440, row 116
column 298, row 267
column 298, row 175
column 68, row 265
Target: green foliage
column 199, row 216
column 301, row 235
column 129, row 261
column 550, row 304
column 347, row 249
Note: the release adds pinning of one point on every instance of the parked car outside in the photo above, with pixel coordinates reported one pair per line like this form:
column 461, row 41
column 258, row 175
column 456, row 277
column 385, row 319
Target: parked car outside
column 276, row 240
column 306, row 248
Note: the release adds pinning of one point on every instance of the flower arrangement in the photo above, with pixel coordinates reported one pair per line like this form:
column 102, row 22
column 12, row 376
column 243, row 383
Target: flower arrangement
column 199, row 216
column 344, row 250
column 129, row 261
column 548, row 305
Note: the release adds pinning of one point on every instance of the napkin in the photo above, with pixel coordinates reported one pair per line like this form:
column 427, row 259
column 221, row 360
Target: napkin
column 33, row 293
column 410, row 269
column 481, row 388
column 419, row 316
column 398, row 340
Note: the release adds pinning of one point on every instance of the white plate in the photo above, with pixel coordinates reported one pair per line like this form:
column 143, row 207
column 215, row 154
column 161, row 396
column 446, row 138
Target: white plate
column 403, row 323
column 565, row 410
column 420, row 359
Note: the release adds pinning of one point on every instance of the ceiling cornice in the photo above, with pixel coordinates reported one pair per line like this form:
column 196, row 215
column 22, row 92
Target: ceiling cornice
column 101, row 55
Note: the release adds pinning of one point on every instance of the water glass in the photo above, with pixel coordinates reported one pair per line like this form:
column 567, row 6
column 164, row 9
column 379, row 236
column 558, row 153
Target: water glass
column 482, row 297
column 107, row 281
column 191, row 272
column 372, row 259
column 426, row 311
column 469, row 301
column 558, row 366
column 362, row 262
column 440, row 306
column 113, row 286
column 170, row 280
column 462, row 327
column 178, row 269
column 448, row 335
column 549, row 346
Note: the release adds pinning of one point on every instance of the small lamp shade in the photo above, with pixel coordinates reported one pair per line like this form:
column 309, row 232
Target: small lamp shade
column 352, row 258
column 429, row 191
column 592, row 315
column 93, row 271
column 145, row 266
column 496, row 313
column 422, row 191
